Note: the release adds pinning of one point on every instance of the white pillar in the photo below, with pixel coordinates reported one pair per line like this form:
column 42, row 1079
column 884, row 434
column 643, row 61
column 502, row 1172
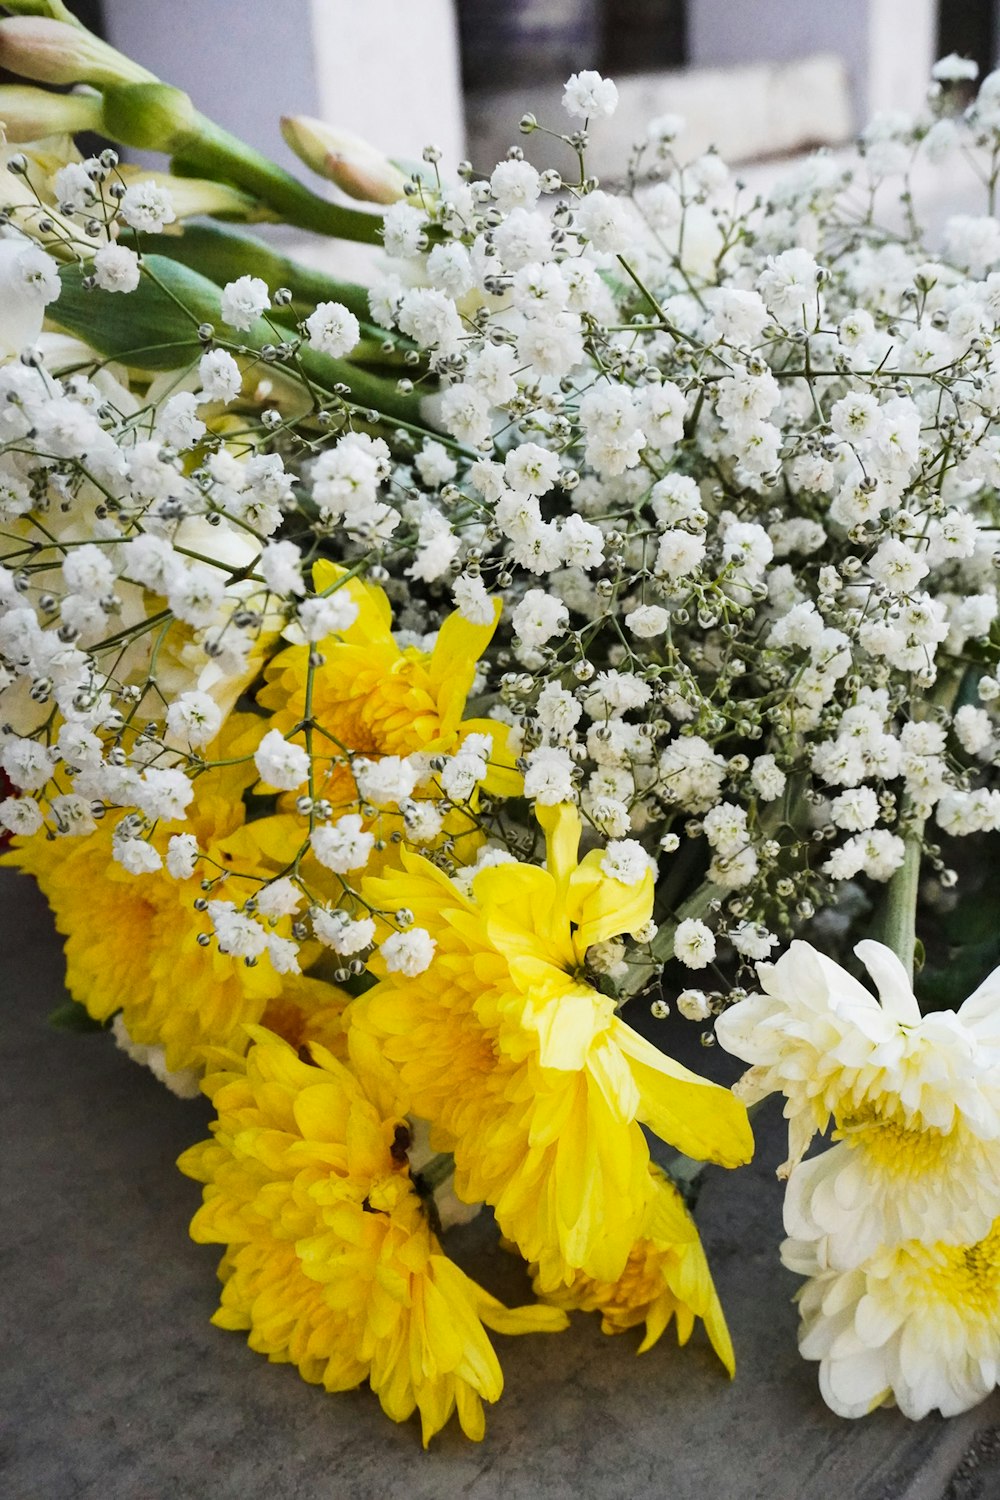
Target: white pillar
column 389, row 70
column 902, row 37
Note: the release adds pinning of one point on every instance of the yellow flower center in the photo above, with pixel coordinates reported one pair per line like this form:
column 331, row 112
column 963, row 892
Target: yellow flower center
column 905, row 1150
column 966, row 1276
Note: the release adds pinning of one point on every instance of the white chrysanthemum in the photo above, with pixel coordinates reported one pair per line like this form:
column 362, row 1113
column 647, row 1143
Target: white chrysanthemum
column 918, row 1325
column 887, row 1182
column 916, row 1097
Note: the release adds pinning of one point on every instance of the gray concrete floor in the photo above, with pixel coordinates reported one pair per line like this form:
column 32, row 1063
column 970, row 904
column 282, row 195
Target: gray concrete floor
column 114, row 1386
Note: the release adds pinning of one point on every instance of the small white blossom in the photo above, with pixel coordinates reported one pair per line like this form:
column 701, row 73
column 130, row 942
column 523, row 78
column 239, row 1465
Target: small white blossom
column 589, row 96
column 136, row 856
column 626, row 860
column 694, row 943
column 337, row 931
column 384, row 782
column 21, row 815
column 279, row 898
column 280, row 763
column 147, row 206
column 116, row 268
column 342, row 846
column 220, row 376
column 408, row 953
column 329, row 614
column 332, row 329
column 243, row 301
column 694, row 1005
column 182, row 856
column 195, row 718
column 647, row 621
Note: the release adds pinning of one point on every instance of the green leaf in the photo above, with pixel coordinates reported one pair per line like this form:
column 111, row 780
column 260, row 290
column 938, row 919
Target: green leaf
column 70, row 1016
column 222, row 255
column 153, row 328
column 156, row 328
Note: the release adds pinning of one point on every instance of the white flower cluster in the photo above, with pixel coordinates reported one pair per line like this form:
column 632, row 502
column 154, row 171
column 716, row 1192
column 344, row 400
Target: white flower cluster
column 725, row 473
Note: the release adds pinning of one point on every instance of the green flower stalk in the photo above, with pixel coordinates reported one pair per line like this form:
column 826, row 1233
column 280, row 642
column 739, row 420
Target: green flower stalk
column 156, row 328
column 898, row 927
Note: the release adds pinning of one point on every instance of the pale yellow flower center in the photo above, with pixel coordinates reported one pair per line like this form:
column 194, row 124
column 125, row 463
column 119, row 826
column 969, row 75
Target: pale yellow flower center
column 903, row 1150
column 966, row 1276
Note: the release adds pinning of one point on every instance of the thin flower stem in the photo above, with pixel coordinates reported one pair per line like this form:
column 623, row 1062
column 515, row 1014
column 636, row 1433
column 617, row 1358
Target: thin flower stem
column 899, row 922
column 900, row 925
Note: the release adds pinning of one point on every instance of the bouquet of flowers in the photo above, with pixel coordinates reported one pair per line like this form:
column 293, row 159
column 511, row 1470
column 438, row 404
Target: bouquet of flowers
column 401, row 685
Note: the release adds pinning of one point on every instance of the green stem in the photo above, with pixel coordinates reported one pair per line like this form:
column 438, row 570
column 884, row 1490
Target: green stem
column 437, row 1170
column 899, row 930
column 899, row 921
column 223, row 254
column 213, row 152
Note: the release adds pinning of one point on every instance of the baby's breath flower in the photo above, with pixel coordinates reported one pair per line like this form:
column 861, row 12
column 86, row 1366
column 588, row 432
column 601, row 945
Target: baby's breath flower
column 147, row 206
column 587, row 96
column 116, row 268
column 243, row 301
column 694, row 943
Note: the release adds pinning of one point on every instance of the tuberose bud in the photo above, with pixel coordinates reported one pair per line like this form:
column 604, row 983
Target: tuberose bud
column 53, row 52
column 358, row 168
column 193, row 196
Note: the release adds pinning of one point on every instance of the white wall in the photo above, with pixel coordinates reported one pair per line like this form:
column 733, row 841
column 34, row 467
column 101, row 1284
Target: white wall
column 389, row 71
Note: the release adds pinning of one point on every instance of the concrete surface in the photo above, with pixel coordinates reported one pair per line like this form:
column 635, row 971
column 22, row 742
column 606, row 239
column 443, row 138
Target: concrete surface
column 114, row 1386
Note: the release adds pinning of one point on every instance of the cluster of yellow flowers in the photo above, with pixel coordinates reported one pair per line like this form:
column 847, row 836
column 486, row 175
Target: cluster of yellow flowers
column 502, row 1044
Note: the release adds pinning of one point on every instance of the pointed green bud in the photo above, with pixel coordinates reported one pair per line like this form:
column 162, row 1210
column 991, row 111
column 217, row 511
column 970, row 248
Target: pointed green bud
column 150, row 116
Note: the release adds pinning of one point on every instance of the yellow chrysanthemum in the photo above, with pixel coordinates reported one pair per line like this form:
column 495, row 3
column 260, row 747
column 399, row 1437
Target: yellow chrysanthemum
column 372, row 697
column 525, row 1069
column 132, row 940
column 318, row 1015
column 330, row 1261
column 666, row 1277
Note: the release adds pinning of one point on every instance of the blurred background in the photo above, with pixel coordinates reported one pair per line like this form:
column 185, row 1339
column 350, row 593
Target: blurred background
column 763, row 80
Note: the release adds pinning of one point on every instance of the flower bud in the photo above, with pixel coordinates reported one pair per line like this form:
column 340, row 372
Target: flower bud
column 28, row 114
column 150, row 116
column 357, row 168
column 54, row 52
